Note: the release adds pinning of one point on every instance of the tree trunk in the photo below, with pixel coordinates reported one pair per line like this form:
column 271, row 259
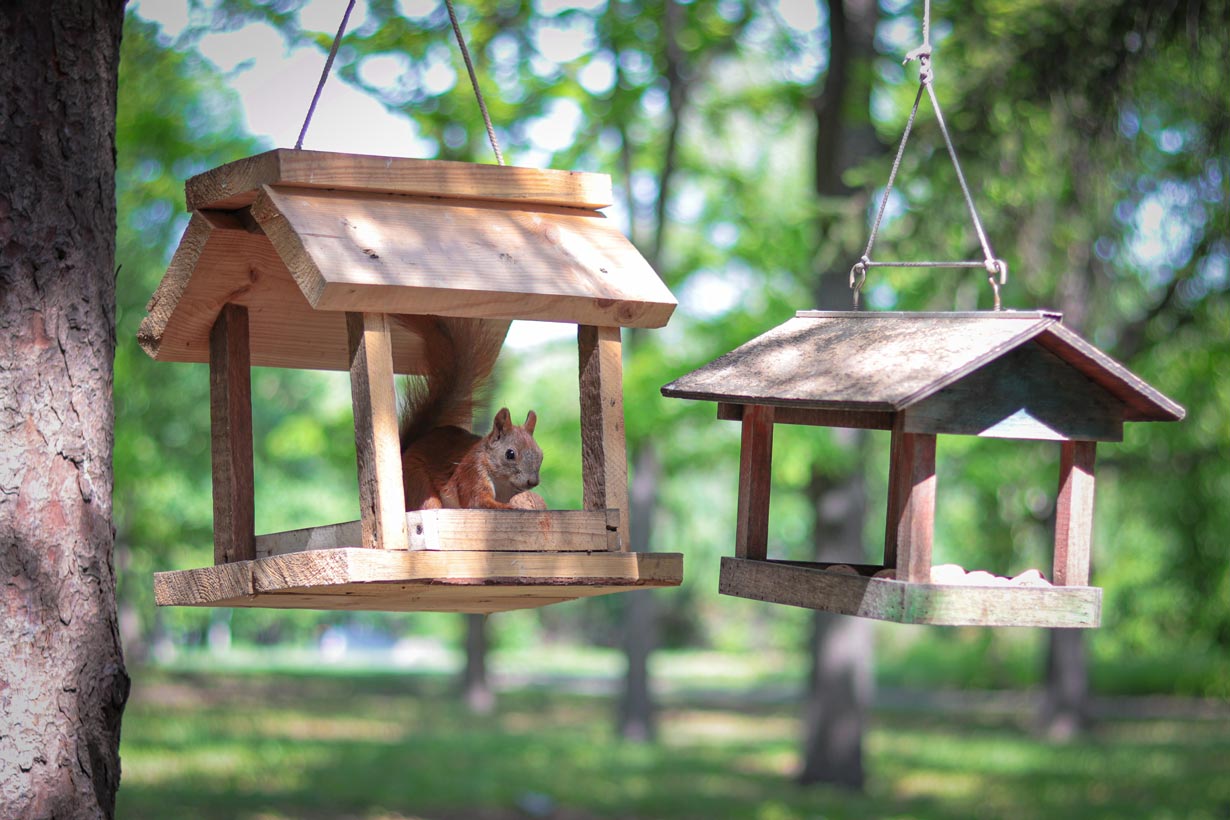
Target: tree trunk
column 62, row 679
column 1064, row 713
column 840, row 680
column 839, row 685
column 479, row 697
column 640, row 622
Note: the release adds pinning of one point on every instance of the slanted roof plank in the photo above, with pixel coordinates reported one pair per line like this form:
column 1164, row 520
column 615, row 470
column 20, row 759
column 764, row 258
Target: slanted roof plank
column 884, row 361
column 217, row 265
column 375, row 252
column 843, row 361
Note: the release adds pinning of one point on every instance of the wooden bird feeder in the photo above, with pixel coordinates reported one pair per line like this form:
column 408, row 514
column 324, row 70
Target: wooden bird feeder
column 296, row 259
column 1002, row 374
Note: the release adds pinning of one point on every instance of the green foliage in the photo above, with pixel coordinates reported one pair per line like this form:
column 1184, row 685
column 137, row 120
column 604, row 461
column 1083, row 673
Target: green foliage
column 1095, row 137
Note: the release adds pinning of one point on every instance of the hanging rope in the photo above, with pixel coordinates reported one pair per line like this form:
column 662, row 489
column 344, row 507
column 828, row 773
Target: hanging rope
column 478, row 94
column 324, row 75
column 997, row 270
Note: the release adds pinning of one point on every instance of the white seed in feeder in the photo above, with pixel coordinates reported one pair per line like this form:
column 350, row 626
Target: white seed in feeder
column 1031, row 578
column 947, row 574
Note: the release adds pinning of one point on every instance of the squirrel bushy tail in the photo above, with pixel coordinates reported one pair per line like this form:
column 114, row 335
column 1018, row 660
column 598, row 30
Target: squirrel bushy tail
column 459, row 356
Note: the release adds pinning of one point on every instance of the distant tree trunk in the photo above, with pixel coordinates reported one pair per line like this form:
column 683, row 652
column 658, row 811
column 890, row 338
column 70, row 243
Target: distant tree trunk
column 1064, row 712
column 839, row 686
column 479, row 697
column 62, row 679
column 840, row 679
column 640, row 621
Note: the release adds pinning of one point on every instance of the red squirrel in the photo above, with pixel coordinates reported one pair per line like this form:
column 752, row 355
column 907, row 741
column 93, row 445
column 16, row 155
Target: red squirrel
column 444, row 465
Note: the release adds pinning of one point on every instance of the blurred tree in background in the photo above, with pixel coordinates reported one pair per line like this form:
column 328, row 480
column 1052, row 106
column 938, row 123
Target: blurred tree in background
column 1095, row 136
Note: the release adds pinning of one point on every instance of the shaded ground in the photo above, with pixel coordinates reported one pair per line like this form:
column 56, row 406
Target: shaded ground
column 385, row 747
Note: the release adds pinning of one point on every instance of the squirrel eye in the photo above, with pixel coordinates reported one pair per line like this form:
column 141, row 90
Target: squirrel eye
column 510, row 455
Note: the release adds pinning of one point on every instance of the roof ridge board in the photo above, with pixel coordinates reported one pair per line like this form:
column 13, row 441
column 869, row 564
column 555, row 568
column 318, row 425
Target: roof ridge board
column 444, row 200
column 235, row 183
column 939, row 314
column 1119, row 373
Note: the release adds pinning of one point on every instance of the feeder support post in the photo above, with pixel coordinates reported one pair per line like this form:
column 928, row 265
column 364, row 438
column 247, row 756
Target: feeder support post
column 911, row 505
column 230, row 417
column 377, row 447
column 604, row 449
column 1074, row 514
column 755, row 480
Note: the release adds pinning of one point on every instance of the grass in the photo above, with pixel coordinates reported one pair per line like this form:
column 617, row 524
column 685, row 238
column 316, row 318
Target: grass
column 264, row 746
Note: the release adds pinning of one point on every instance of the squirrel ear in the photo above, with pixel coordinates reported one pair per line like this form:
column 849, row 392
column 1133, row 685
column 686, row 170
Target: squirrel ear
column 530, row 420
column 503, row 420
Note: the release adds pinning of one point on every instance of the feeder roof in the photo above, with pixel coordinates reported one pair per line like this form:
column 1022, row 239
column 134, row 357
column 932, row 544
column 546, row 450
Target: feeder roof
column 887, row 361
column 303, row 237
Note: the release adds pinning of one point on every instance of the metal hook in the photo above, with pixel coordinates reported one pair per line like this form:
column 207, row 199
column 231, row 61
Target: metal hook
column 858, row 276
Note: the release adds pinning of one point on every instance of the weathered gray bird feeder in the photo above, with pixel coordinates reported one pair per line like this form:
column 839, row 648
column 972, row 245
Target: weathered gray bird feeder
column 1015, row 375
column 296, row 259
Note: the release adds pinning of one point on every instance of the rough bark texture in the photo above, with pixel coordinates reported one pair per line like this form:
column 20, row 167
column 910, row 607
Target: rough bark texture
column 479, row 696
column 62, row 679
column 839, row 686
column 840, row 681
column 1064, row 712
column 640, row 622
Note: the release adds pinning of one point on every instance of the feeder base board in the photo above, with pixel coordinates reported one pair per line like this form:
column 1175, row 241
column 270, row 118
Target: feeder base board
column 417, row 580
column 812, row 586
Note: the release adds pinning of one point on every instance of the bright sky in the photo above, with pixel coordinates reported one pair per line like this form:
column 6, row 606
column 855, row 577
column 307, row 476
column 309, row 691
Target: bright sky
column 275, row 84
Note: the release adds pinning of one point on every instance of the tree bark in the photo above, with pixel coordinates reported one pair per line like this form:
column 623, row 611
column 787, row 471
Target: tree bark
column 640, row 622
column 1064, row 714
column 839, row 684
column 840, row 679
column 62, row 679
column 476, row 687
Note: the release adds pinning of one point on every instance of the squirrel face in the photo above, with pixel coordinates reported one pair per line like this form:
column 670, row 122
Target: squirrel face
column 511, row 455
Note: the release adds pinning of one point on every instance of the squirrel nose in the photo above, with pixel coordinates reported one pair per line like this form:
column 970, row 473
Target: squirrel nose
column 533, row 482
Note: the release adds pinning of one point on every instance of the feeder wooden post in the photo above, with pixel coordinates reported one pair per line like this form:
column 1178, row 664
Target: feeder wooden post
column 604, row 450
column 755, row 474
column 230, row 414
column 377, row 447
column 1074, row 514
column 911, row 506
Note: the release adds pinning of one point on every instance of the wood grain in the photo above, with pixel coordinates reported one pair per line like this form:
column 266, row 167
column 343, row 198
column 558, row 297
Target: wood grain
column 1027, row 393
column 220, row 262
column 1074, row 513
column 604, row 451
column 236, row 184
column 378, row 451
column 397, row 254
column 466, row 530
column 883, row 361
column 851, row 360
column 857, row 419
column 230, row 414
column 755, row 481
column 813, row 587
column 419, row 580
column 911, row 506
column 1143, row 402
